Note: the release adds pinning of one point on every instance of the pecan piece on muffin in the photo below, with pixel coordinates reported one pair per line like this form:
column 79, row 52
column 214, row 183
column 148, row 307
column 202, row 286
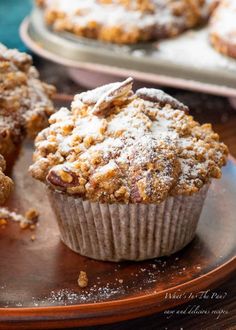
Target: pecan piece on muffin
column 127, row 173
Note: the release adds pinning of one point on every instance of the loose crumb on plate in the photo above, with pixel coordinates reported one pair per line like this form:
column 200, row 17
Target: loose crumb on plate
column 24, row 224
column 32, row 227
column 3, row 222
column 32, row 215
column 83, row 279
column 27, row 221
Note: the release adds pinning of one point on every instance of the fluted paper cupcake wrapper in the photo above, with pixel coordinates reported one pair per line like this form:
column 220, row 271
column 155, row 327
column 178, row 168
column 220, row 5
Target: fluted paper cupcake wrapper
column 117, row 232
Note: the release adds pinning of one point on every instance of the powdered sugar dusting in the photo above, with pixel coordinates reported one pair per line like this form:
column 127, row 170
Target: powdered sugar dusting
column 125, row 21
column 142, row 279
column 127, row 148
column 6, row 214
column 223, row 21
column 93, row 96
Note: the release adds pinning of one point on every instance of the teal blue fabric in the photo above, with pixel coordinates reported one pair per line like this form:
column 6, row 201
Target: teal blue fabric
column 12, row 13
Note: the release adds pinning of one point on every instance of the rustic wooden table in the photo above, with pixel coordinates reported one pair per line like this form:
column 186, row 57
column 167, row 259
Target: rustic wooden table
column 198, row 314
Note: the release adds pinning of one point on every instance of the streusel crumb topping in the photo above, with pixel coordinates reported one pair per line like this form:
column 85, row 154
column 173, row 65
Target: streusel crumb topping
column 25, row 101
column 124, row 21
column 119, row 146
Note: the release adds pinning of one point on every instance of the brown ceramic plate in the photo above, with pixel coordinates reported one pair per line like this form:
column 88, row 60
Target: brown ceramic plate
column 38, row 279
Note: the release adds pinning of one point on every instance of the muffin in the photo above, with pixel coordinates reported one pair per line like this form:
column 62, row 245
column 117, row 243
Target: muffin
column 25, row 101
column 5, row 182
column 124, row 22
column 223, row 28
column 127, row 173
column 213, row 5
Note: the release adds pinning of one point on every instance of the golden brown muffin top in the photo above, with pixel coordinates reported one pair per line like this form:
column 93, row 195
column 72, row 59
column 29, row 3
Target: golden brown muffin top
column 124, row 21
column 119, row 146
column 25, row 101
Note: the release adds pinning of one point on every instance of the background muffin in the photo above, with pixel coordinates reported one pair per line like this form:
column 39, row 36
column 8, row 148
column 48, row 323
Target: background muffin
column 124, row 22
column 223, row 28
column 25, row 101
column 133, row 157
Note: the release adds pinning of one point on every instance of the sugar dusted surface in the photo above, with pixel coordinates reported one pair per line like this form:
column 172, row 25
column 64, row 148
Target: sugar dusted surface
column 25, row 103
column 124, row 21
column 134, row 150
column 223, row 27
column 224, row 22
column 101, row 291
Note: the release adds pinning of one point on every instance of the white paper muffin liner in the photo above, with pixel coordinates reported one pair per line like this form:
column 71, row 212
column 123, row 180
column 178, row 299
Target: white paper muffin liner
column 116, row 232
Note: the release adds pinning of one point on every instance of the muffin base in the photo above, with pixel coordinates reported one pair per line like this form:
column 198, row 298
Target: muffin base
column 116, row 232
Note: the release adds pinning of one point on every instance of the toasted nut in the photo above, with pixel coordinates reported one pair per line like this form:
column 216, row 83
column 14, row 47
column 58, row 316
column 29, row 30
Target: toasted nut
column 158, row 96
column 66, row 177
column 116, row 91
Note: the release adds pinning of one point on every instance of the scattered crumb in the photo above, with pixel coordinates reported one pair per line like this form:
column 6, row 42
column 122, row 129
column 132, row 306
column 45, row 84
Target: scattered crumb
column 3, row 222
column 83, row 279
column 33, row 238
column 25, row 222
column 32, row 215
column 32, row 227
column 6, row 214
column 102, row 291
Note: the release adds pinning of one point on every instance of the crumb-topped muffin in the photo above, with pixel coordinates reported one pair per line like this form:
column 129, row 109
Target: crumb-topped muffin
column 25, row 101
column 117, row 146
column 223, row 28
column 5, row 182
column 124, row 21
column 125, row 150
